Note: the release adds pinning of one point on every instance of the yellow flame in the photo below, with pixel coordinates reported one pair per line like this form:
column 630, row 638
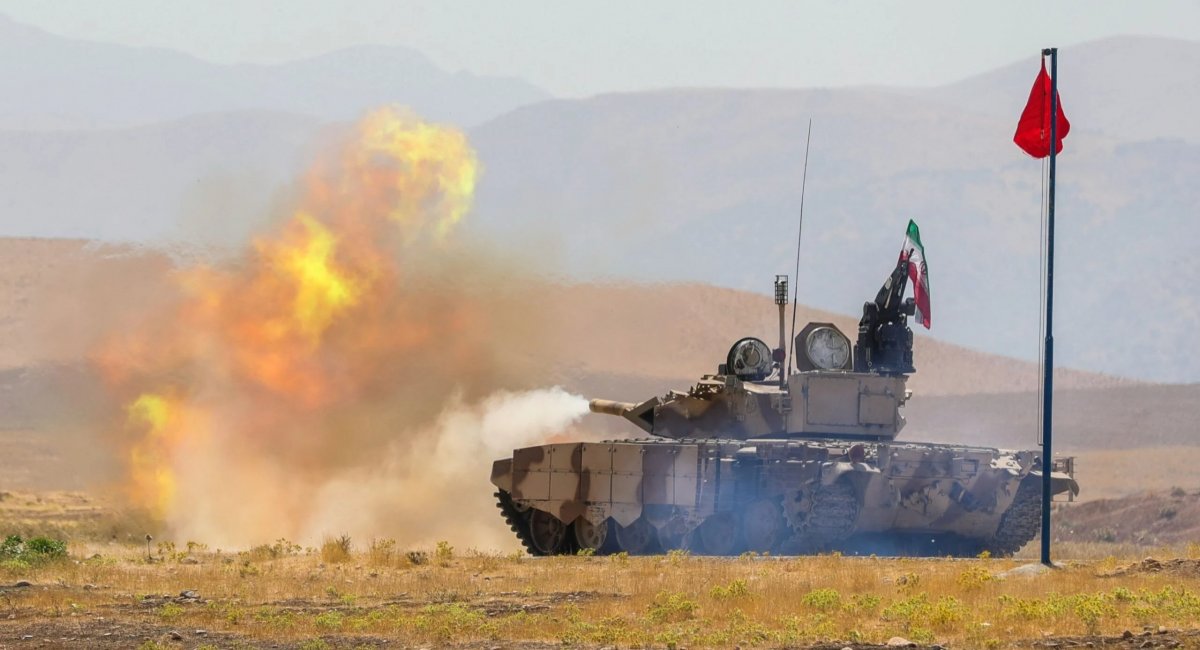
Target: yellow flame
column 153, row 481
column 322, row 289
column 152, row 410
column 430, row 162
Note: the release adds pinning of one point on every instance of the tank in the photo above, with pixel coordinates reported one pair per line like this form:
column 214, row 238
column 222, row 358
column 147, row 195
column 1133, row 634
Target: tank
column 784, row 456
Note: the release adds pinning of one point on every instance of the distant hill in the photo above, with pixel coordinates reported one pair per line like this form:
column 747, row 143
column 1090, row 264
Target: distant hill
column 1112, row 418
column 1159, row 518
column 59, row 297
column 54, row 82
column 640, row 339
column 695, row 185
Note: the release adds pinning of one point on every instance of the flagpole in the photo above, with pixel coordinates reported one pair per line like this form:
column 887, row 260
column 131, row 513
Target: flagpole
column 1048, row 377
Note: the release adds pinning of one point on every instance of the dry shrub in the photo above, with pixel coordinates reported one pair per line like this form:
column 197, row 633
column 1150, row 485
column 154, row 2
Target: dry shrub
column 443, row 553
column 336, row 549
column 382, row 553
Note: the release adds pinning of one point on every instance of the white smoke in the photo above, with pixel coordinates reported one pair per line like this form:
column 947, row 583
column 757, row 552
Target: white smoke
column 437, row 488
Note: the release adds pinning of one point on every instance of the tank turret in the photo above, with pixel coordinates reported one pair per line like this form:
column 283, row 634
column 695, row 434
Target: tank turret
column 834, row 391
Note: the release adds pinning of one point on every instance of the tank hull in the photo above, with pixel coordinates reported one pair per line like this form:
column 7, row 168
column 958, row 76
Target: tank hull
column 782, row 496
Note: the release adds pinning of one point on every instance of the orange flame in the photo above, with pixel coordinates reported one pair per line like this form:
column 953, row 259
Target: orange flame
column 296, row 334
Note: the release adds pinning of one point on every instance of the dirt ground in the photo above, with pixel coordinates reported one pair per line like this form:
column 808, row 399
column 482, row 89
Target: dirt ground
column 136, row 626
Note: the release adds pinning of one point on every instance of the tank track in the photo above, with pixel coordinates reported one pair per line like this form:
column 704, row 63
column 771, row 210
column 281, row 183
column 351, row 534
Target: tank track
column 1021, row 522
column 518, row 522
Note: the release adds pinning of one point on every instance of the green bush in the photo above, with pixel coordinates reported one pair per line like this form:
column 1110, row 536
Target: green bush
column 822, row 599
column 170, row 611
column 974, row 577
column 330, row 620
column 14, row 566
column 670, row 607
column 12, row 547
column 735, row 589
column 46, row 548
column 15, row 551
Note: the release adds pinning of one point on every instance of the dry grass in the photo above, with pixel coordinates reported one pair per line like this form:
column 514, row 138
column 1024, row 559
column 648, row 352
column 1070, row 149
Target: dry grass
column 346, row 593
column 287, row 594
column 337, row 549
column 71, row 515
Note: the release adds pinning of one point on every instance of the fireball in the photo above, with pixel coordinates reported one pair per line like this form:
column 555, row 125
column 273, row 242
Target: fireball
column 265, row 374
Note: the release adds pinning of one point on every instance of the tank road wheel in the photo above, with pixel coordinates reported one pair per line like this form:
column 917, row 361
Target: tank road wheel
column 718, row 534
column 546, row 532
column 821, row 515
column 589, row 535
column 762, row 525
column 636, row 538
column 672, row 535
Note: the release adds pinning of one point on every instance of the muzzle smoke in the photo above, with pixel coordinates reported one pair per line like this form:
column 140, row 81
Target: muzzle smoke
column 444, row 471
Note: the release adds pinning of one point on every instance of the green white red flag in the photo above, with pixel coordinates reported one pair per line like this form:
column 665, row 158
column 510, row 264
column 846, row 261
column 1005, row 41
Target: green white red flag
column 918, row 271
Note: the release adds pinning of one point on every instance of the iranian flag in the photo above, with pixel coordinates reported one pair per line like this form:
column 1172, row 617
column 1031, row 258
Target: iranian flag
column 918, row 271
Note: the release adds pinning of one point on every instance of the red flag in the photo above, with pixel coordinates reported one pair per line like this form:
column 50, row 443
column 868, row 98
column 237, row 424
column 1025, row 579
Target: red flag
column 1033, row 130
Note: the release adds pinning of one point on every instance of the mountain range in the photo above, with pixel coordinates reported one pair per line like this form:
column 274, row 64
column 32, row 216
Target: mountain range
column 53, row 82
column 695, row 185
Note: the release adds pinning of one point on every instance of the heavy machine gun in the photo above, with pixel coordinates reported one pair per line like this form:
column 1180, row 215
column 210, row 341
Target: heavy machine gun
column 884, row 339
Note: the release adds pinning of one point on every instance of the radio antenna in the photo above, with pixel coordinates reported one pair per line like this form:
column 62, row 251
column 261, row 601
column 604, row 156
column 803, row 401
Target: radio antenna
column 799, row 234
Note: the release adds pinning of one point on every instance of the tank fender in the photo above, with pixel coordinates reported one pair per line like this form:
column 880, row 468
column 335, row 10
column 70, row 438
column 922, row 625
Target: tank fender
column 502, row 474
column 1059, row 482
column 831, row 472
column 625, row 513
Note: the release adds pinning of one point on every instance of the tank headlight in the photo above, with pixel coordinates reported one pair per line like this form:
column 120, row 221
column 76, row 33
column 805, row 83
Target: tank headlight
column 749, row 359
column 827, row 348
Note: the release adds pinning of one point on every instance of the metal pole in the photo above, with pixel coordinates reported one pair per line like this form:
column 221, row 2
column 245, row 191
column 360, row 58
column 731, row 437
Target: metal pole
column 780, row 354
column 1048, row 378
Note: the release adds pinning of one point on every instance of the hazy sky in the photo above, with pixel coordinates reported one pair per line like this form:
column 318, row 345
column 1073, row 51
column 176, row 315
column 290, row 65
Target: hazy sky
column 581, row 48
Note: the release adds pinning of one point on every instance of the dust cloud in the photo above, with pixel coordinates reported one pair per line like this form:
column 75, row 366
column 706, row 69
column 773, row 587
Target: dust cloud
column 431, row 489
column 354, row 370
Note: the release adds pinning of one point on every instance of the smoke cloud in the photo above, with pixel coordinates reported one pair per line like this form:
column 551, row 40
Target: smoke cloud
column 354, row 370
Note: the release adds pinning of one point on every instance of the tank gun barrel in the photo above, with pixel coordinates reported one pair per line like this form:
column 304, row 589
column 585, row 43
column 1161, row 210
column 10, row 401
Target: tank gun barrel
column 610, row 407
column 642, row 414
